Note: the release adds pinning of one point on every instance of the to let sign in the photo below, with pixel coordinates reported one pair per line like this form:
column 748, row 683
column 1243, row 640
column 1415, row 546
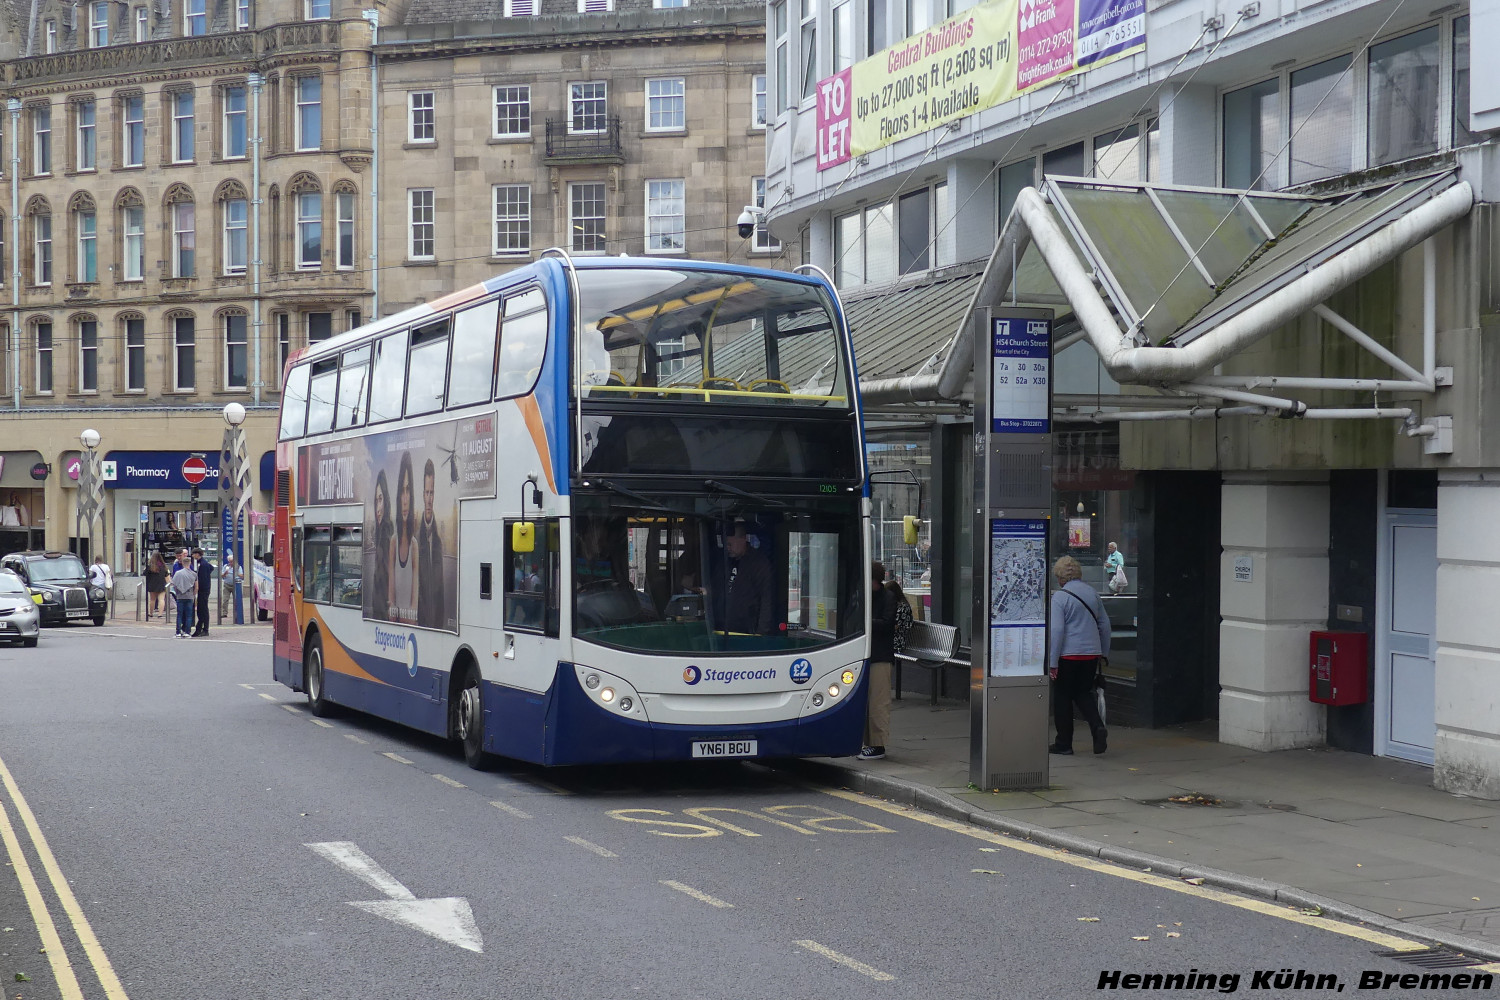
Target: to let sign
column 833, row 120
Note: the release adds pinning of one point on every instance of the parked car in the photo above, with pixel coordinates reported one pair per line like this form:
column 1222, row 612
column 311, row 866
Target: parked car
column 20, row 620
column 63, row 583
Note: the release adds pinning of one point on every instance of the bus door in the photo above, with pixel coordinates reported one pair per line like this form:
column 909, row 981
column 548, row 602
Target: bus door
column 531, row 585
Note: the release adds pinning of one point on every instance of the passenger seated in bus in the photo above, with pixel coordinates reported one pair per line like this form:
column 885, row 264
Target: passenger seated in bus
column 748, row 601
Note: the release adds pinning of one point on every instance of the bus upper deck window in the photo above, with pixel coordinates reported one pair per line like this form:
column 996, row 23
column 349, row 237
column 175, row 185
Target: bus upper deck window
column 322, row 395
column 294, row 402
column 388, row 377
column 426, row 373
column 472, row 371
column 523, row 343
column 354, row 379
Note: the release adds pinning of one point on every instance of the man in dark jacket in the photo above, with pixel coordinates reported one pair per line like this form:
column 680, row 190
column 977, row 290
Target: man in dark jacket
column 205, row 571
column 882, row 659
column 431, row 609
column 749, row 606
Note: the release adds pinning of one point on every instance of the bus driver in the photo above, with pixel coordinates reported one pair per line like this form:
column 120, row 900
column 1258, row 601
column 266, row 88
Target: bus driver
column 748, row 604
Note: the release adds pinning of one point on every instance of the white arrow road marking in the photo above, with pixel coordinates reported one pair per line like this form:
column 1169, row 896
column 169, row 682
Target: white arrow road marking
column 448, row 918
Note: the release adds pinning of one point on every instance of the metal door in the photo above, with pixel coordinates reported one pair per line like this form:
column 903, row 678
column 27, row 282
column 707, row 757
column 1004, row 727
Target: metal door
column 1408, row 624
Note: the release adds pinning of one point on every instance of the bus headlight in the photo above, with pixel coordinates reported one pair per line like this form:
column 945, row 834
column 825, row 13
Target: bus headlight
column 817, row 699
column 591, row 681
column 833, row 690
column 607, row 695
column 847, row 677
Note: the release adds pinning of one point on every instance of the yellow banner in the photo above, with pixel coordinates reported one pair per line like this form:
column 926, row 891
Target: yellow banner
column 985, row 56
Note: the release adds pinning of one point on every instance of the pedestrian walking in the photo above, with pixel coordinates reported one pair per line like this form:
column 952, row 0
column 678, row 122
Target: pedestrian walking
column 101, row 576
column 1079, row 642
column 205, row 571
column 882, row 658
column 1114, row 570
column 156, row 586
column 185, row 592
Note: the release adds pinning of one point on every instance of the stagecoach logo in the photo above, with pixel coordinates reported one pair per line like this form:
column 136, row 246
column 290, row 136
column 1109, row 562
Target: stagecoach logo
column 801, row 671
column 691, row 675
column 394, row 641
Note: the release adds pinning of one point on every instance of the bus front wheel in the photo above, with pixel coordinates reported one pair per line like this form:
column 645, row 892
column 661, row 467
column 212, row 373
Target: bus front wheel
column 469, row 722
column 312, row 677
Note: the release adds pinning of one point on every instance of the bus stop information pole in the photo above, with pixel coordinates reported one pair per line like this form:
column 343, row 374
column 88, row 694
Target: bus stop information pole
column 1013, row 500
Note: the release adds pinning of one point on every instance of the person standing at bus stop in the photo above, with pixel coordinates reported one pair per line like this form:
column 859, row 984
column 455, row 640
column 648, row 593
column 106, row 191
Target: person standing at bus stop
column 184, row 590
column 882, row 660
column 429, row 557
column 1079, row 637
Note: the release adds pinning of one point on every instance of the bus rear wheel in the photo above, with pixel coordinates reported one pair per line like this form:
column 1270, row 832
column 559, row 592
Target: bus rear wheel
column 312, row 677
column 469, row 722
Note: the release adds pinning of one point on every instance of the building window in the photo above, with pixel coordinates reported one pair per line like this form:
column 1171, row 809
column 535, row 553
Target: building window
column 1404, row 90
column 317, row 10
column 236, row 242
column 135, row 131
column 512, row 218
column 665, row 105
column 758, row 101
column 595, row 6
column 512, row 112
column 195, row 17
column 843, row 36
column 588, row 105
column 236, row 351
column 864, row 247
column 1461, row 134
column 420, row 207
column 319, row 326
column 41, row 230
column 1322, row 115
column 309, row 112
column 779, row 22
column 1252, row 136
column 309, row 231
column 343, row 203
column 586, row 217
column 352, row 319
column 135, row 243
column 235, row 123
column 51, row 41
column 41, row 141
column 44, row 358
column 88, row 355
column 184, row 240
column 1117, row 155
column 420, row 123
column 241, row 14
column 520, row 8
column 135, row 354
column 99, row 24
column 669, row 3
column 142, row 24
column 84, row 115
column 809, row 47
column 283, row 341
column 182, row 126
column 875, row 26
column 88, row 246
column 664, row 216
column 913, row 233
column 764, row 241
column 184, row 353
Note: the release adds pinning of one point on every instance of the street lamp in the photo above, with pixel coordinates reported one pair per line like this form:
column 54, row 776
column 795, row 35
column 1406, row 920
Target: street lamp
column 235, row 498
column 90, row 501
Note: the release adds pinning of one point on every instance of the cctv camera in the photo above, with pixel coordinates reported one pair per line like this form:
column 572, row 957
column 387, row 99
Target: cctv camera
column 746, row 222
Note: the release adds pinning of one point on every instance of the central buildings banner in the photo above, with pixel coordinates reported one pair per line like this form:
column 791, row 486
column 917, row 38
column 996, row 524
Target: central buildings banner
column 985, row 56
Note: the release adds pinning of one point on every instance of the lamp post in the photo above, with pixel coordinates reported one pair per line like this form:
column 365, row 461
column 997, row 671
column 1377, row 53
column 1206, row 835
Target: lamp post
column 90, row 485
column 234, row 493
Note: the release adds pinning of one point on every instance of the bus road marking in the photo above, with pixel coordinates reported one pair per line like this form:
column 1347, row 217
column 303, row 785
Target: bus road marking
column 697, row 894
column 320, row 722
column 846, row 961
column 268, row 697
column 105, row 972
column 449, row 781
column 293, row 709
column 398, row 758
column 508, row 808
column 357, row 739
column 602, row 852
column 1278, row 910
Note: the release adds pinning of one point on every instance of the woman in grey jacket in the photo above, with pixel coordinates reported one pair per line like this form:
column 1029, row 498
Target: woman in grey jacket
column 1079, row 636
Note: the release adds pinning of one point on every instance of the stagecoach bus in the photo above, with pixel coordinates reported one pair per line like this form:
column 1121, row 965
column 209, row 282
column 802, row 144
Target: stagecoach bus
column 593, row 510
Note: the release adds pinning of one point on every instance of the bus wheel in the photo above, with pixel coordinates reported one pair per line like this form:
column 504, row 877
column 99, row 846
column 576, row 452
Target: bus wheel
column 470, row 722
column 312, row 677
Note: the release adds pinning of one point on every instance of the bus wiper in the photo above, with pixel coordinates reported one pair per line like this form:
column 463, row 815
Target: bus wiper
column 639, row 498
column 714, row 484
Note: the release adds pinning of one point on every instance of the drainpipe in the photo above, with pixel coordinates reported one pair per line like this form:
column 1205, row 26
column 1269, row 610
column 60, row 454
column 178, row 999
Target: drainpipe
column 373, row 16
column 256, row 82
column 14, row 107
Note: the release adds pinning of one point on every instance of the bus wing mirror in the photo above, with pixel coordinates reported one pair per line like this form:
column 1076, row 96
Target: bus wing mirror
column 523, row 537
column 909, row 529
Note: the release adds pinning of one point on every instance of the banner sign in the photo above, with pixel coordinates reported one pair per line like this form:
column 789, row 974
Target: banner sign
column 410, row 482
column 978, row 59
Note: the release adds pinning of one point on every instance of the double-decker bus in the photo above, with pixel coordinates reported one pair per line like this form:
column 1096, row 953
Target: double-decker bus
column 593, row 510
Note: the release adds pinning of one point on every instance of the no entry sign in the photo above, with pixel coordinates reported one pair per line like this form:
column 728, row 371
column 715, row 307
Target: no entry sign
column 194, row 470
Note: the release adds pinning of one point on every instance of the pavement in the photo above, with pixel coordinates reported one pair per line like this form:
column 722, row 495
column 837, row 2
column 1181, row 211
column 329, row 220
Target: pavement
column 1360, row 837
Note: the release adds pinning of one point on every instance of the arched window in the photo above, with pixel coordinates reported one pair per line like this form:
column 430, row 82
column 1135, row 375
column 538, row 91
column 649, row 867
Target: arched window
column 234, row 225
column 130, row 209
column 39, row 221
column 234, row 338
column 344, row 201
column 183, row 332
column 133, row 347
column 307, row 209
column 86, row 330
column 273, row 200
column 41, row 342
column 182, row 247
column 84, row 219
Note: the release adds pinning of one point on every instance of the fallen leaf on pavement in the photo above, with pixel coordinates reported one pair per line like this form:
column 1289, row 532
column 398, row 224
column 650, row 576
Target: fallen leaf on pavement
column 1193, row 881
column 1140, row 937
column 22, row 977
column 1173, row 934
column 1089, row 920
column 985, row 871
column 990, row 850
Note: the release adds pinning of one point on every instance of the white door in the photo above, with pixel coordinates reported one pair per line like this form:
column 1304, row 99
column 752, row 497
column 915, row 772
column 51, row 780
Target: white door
column 1409, row 621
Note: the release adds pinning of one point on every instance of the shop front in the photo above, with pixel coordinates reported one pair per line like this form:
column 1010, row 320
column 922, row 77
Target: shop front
column 23, row 514
column 162, row 501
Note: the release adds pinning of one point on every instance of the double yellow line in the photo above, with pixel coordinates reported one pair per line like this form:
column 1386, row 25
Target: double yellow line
column 62, row 968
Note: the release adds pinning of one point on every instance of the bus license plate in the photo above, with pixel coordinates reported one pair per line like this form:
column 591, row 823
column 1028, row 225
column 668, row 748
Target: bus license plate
column 726, row 748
